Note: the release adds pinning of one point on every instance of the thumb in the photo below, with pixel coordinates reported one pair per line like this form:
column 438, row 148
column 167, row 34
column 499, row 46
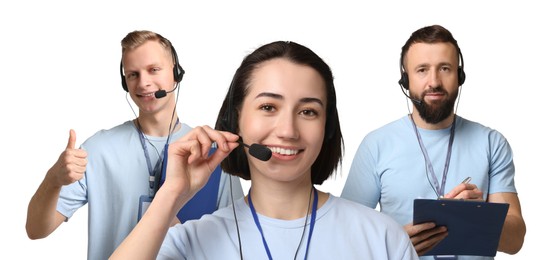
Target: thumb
column 71, row 141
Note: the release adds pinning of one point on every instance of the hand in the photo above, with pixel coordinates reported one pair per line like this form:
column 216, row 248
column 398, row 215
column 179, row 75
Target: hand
column 425, row 236
column 70, row 166
column 189, row 165
column 465, row 191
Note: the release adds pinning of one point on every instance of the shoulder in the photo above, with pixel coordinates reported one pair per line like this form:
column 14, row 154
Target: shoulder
column 365, row 214
column 477, row 130
column 390, row 128
column 387, row 136
column 114, row 134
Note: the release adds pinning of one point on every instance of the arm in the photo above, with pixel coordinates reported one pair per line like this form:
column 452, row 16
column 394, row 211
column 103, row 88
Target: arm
column 514, row 227
column 42, row 218
column 188, row 169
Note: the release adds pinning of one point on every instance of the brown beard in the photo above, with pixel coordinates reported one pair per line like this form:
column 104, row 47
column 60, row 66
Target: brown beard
column 436, row 112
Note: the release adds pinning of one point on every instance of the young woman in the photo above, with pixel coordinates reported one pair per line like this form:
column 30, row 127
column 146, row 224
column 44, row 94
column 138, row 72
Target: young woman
column 282, row 97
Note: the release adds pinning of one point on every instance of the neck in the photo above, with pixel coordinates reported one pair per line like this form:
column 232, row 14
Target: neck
column 157, row 125
column 420, row 123
column 283, row 203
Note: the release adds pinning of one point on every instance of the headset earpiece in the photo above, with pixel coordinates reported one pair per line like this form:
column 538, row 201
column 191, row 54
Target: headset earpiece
column 124, row 84
column 461, row 75
column 404, row 81
column 178, row 71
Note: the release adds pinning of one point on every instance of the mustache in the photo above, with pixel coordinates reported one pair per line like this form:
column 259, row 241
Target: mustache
column 437, row 89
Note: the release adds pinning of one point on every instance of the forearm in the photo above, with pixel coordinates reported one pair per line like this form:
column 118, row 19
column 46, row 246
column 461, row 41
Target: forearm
column 512, row 237
column 42, row 218
column 514, row 228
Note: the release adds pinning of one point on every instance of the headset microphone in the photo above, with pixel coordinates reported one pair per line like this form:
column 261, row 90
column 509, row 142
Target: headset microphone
column 258, row 151
column 162, row 93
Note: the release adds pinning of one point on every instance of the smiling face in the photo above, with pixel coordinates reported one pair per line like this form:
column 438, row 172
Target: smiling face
column 149, row 68
column 285, row 110
column 433, row 78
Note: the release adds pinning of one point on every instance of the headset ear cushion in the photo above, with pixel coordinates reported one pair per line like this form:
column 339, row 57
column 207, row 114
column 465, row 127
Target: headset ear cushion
column 124, row 84
column 461, row 76
column 178, row 72
column 404, row 81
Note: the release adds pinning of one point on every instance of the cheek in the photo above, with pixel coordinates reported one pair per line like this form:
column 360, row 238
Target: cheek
column 249, row 124
column 254, row 126
column 315, row 134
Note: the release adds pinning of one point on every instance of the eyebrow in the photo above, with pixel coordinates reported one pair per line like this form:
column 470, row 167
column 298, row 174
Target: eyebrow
column 426, row 65
column 278, row 96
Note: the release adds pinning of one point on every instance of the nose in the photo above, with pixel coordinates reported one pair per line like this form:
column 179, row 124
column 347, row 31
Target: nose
column 434, row 79
column 143, row 80
column 286, row 126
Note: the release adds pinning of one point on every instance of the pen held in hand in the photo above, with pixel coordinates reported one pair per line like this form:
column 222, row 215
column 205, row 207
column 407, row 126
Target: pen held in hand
column 465, row 181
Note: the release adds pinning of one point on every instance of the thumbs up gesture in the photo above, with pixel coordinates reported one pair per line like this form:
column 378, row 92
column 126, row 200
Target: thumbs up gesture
column 70, row 166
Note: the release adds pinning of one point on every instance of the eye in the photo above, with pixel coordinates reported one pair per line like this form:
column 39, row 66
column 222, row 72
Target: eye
column 309, row 112
column 267, row 107
column 131, row 75
column 445, row 68
column 421, row 70
column 155, row 69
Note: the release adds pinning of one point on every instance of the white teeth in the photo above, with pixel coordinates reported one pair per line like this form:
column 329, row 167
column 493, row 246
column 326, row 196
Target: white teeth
column 283, row 151
column 147, row 95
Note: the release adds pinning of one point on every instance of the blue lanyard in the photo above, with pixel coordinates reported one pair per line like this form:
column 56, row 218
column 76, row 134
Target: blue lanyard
column 159, row 165
column 428, row 163
column 312, row 223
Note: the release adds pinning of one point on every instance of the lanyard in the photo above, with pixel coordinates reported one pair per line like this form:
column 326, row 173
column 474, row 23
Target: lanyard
column 312, row 224
column 428, row 164
column 158, row 166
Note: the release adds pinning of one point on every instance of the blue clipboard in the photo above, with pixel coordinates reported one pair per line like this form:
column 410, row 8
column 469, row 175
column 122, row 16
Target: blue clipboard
column 474, row 228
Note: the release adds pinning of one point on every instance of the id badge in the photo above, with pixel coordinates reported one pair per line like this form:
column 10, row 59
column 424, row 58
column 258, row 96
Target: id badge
column 144, row 202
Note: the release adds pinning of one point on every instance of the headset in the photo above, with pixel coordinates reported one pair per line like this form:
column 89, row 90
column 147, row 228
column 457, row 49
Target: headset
column 404, row 79
column 178, row 71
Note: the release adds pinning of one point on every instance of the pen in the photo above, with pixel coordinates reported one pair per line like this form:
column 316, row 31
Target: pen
column 465, row 181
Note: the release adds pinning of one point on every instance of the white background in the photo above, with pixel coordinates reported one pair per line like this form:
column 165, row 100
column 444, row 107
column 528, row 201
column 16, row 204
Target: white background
column 59, row 69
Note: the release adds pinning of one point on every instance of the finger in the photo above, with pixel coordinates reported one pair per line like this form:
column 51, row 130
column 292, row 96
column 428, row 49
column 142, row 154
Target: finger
column 71, row 140
column 75, row 154
column 221, row 138
column 413, row 230
column 220, row 154
column 456, row 190
column 471, row 194
column 464, row 191
column 189, row 149
column 426, row 245
column 201, row 138
column 74, row 168
column 206, row 136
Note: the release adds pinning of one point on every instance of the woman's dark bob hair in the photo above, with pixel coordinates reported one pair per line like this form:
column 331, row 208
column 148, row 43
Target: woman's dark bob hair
column 330, row 155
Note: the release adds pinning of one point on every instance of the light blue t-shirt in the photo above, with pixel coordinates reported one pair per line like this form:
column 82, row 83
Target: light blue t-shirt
column 343, row 230
column 116, row 177
column 389, row 167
